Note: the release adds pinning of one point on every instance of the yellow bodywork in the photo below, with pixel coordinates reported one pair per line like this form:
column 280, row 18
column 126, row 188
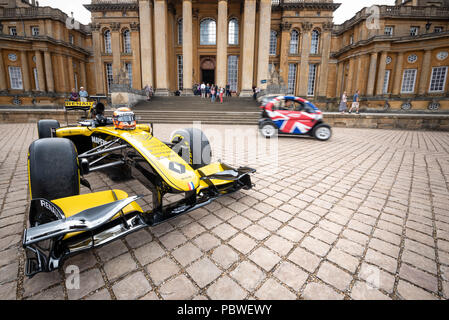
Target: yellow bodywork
column 73, row 205
column 157, row 153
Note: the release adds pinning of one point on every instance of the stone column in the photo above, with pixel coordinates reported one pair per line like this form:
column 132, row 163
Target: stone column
column 63, row 75
column 305, row 52
column 49, row 72
column 83, row 76
column 70, row 73
column 99, row 73
column 222, row 42
column 26, row 72
column 340, row 72
column 40, row 71
column 160, row 31
column 284, row 50
column 146, row 41
column 116, row 49
column 135, row 47
column 398, row 74
column 324, row 70
column 350, row 78
column 425, row 72
column 381, row 74
column 187, row 46
column 264, row 42
column 249, row 29
column 355, row 79
column 49, row 28
column 372, row 74
column 3, row 84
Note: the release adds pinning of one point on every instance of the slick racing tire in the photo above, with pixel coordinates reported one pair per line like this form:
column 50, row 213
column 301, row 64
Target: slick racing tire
column 322, row 132
column 53, row 169
column 44, row 128
column 268, row 130
column 193, row 146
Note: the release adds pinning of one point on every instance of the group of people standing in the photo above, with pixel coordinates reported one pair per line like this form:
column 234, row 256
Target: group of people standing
column 212, row 92
column 344, row 103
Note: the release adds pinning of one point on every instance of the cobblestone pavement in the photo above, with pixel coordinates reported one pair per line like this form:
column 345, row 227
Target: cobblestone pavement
column 363, row 216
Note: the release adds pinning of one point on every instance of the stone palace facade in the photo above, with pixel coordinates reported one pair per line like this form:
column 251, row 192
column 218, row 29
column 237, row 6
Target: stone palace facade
column 397, row 56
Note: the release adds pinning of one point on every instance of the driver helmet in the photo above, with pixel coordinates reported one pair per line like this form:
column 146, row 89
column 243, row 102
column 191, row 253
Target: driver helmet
column 124, row 119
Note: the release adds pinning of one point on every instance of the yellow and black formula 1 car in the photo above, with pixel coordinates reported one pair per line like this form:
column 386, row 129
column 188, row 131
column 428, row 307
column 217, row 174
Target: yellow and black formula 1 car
column 63, row 222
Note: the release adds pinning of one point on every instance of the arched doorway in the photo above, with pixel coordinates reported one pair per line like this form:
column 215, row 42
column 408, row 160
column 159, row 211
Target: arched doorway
column 208, row 70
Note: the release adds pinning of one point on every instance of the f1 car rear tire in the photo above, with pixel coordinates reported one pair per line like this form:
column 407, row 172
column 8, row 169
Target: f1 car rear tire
column 53, row 169
column 44, row 128
column 268, row 130
column 193, row 146
column 322, row 132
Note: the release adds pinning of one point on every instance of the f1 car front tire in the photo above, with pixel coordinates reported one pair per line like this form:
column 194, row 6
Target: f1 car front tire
column 193, row 146
column 44, row 128
column 53, row 169
column 322, row 132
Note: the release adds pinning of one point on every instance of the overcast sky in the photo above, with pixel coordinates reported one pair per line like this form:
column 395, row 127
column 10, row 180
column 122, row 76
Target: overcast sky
column 346, row 11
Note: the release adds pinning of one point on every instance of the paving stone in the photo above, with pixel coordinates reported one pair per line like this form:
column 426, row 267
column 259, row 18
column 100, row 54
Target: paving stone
column 203, row 272
column 102, row 294
column 247, row 275
column 40, row 282
column 9, row 272
column 264, row 258
column 381, row 260
column 257, row 232
column 376, row 278
column 226, row 289
column 179, row 288
column 242, row 243
column 225, row 256
column 291, row 275
column 55, row 293
column 410, row 292
column 139, row 238
column 240, row 222
column 224, row 231
column 279, row 245
column 206, row 242
column 271, row 290
column 119, row 266
column 162, row 270
column 187, row 253
column 149, row 253
column 8, row 291
column 334, row 276
column 304, row 259
column 419, row 277
column 173, row 239
column 111, row 250
column 344, row 260
column 316, row 246
column 132, row 287
column 362, row 291
column 89, row 281
column 318, row 291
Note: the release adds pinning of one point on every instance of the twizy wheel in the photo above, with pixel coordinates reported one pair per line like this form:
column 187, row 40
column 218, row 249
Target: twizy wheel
column 322, row 132
column 193, row 146
column 268, row 130
column 53, row 169
column 44, row 128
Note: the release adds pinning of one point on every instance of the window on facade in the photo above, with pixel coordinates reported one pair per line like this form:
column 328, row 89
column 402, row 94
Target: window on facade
column 294, row 42
column 389, row 31
column 312, row 79
column 208, row 32
column 233, row 32
column 291, row 81
column 127, row 41
column 386, row 82
column 71, row 39
column 36, row 79
column 314, row 47
column 438, row 79
column 438, row 29
column 13, row 31
column 34, row 31
column 414, row 31
column 180, row 73
column 233, row 71
column 109, row 75
column 408, row 81
column 351, row 39
column 107, row 42
column 15, row 77
column 180, row 31
column 129, row 73
column 273, row 42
